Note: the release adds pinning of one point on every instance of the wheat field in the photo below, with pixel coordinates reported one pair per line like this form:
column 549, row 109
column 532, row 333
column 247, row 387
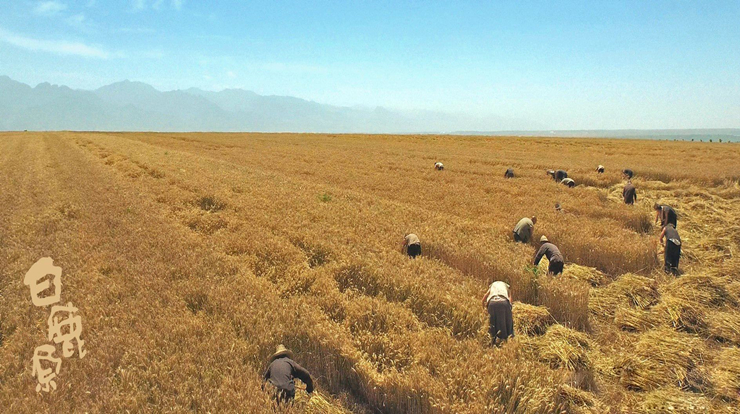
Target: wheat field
column 191, row 256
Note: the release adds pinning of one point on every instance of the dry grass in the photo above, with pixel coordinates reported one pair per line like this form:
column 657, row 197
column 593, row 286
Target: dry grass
column 191, row 256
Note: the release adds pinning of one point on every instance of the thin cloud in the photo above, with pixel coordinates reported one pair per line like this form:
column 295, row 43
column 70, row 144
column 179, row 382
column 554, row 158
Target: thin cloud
column 291, row 67
column 138, row 5
column 59, row 47
column 76, row 20
column 49, row 7
column 133, row 30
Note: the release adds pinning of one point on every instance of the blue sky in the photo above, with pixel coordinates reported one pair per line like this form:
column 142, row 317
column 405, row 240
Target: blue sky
column 562, row 65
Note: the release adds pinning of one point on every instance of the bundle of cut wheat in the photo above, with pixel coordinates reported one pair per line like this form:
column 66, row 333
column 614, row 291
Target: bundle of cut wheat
column 580, row 401
column 702, row 289
column 563, row 347
column 631, row 319
column 530, row 319
column 672, row 400
column 726, row 374
column 686, row 301
column 590, row 275
column 628, row 289
column 662, row 357
column 316, row 403
column 725, row 326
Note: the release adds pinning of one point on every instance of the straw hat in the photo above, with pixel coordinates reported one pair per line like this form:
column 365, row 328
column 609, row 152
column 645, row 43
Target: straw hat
column 280, row 351
column 543, row 239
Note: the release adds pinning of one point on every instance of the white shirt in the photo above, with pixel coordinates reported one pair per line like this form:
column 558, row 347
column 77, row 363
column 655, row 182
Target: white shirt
column 498, row 288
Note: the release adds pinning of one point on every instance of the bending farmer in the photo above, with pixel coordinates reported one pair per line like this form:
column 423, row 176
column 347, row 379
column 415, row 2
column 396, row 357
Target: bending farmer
column 497, row 301
column 553, row 255
column 672, row 248
column 280, row 375
column 412, row 245
column 523, row 229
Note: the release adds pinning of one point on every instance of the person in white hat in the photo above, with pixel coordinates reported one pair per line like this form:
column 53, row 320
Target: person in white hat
column 600, row 169
column 281, row 373
column 412, row 245
column 569, row 182
column 439, row 166
column 553, row 255
column 497, row 301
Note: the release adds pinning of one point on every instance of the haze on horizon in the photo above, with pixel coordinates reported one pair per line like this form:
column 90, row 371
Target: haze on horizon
column 574, row 65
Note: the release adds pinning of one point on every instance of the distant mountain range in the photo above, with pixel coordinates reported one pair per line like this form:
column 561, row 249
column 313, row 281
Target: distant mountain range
column 717, row 134
column 136, row 106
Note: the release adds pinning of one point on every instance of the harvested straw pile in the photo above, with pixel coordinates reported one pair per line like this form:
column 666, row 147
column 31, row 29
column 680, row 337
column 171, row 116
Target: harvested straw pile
column 726, row 374
column 316, row 403
column 627, row 290
column 686, row 302
column 563, row 348
column 734, row 289
column 586, row 274
column 531, row 320
column 663, row 357
column 725, row 326
column 705, row 290
column 672, row 400
column 634, row 320
column 580, row 401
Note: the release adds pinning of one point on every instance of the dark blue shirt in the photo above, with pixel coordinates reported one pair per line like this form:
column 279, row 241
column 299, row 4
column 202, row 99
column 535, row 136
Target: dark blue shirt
column 281, row 372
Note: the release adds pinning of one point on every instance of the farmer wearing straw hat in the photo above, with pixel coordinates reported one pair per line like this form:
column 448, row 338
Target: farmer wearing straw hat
column 281, row 373
column 523, row 229
column 509, row 173
column 553, row 255
column 412, row 245
column 629, row 193
column 439, row 166
column 600, row 169
column 672, row 248
column 497, row 301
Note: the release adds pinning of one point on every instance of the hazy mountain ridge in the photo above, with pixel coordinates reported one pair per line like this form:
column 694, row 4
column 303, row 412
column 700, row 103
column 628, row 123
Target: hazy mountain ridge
column 137, row 106
column 698, row 134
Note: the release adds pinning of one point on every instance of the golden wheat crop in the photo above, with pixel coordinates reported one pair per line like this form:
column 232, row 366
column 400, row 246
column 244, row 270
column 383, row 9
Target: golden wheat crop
column 190, row 256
